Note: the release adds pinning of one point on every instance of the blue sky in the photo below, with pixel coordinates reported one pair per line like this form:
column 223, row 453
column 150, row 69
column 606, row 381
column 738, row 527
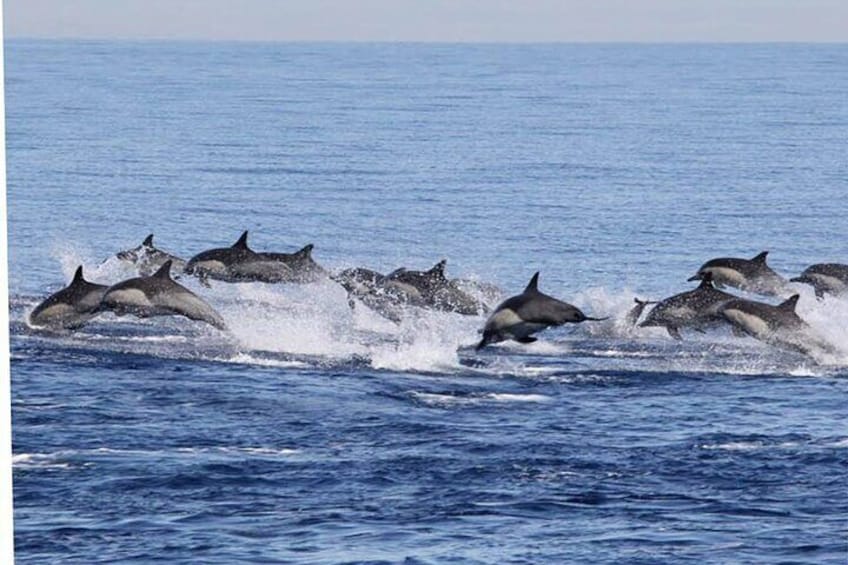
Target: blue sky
column 433, row 20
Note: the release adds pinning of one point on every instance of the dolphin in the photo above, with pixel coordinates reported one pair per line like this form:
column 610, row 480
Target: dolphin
column 303, row 267
column 148, row 259
column 751, row 275
column 237, row 263
column 359, row 280
column 70, row 307
column 531, row 311
column 776, row 325
column 825, row 278
column 435, row 290
column 158, row 295
column 372, row 289
column 696, row 308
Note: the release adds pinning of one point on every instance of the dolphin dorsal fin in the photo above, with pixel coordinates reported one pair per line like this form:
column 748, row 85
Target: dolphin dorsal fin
column 761, row 258
column 706, row 280
column 148, row 241
column 438, row 270
column 164, row 271
column 533, row 285
column 78, row 278
column 242, row 242
column 306, row 251
column 789, row 303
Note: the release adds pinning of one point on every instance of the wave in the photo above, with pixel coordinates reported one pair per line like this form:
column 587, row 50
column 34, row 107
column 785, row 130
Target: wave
column 442, row 400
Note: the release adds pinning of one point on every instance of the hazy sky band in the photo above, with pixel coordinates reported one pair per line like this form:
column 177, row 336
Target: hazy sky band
column 433, row 20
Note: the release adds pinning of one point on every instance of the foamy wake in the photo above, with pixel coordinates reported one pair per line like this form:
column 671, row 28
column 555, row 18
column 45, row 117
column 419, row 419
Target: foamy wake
column 72, row 458
column 277, row 325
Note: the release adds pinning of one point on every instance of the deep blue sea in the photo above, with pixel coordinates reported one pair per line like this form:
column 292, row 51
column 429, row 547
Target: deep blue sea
column 313, row 433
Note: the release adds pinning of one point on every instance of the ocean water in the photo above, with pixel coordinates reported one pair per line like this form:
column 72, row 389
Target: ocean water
column 313, row 433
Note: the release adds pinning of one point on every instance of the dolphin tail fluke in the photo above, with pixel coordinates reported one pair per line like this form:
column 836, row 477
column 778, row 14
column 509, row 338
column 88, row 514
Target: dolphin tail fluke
column 633, row 315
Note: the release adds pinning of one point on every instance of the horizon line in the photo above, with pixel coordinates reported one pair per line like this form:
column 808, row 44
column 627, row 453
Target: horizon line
column 152, row 39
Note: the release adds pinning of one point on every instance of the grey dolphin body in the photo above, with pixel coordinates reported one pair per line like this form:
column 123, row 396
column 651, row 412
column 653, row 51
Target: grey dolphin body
column 70, row 307
column 825, row 278
column 359, row 281
column 752, row 275
column 148, row 259
column 698, row 309
column 435, row 290
column 301, row 265
column 369, row 287
column 158, row 295
column 237, row 263
column 531, row 311
column 777, row 325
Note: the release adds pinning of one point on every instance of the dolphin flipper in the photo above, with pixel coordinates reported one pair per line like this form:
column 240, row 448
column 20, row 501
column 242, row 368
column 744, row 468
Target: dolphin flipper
column 738, row 332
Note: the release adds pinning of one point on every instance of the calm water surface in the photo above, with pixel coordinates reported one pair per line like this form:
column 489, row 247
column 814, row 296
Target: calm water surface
column 311, row 433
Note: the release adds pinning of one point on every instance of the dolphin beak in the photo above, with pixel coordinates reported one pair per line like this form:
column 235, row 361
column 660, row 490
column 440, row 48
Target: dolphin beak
column 695, row 277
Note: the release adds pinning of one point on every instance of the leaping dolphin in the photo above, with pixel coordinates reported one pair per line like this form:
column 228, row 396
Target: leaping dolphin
column 776, row 325
column 435, row 290
column 159, row 295
column 520, row 316
column 825, row 278
column 303, row 267
column 752, row 275
column 698, row 308
column 374, row 291
column 147, row 258
column 70, row 307
column 237, row 263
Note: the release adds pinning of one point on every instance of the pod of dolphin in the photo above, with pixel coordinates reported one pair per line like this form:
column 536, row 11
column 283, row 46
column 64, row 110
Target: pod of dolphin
column 155, row 293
